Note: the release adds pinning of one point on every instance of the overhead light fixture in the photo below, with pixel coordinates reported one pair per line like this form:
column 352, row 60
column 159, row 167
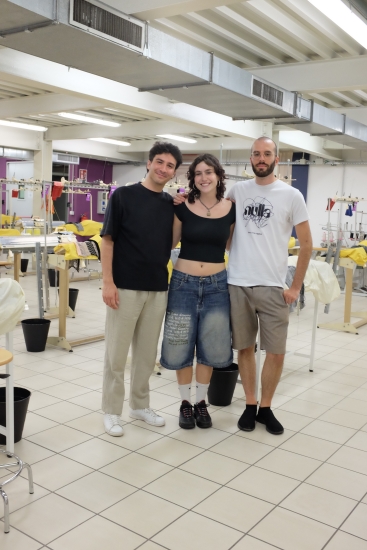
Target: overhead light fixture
column 177, row 138
column 344, row 17
column 112, row 141
column 23, row 126
column 82, row 118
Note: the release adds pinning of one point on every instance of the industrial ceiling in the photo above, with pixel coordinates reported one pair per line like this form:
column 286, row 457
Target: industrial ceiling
column 206, row 54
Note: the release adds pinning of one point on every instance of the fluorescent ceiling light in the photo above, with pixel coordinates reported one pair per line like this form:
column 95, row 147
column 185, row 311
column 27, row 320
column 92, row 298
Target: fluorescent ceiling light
column 344, row 17
column 177, row 138
column 83, row 118
column 23, row 126
column 112, row 141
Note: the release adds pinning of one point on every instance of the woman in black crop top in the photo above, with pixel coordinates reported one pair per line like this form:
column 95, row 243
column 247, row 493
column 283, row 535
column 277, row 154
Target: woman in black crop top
column 198, row 314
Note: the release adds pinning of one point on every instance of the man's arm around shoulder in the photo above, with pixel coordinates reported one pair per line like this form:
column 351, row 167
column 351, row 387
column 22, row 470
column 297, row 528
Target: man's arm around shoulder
column 305, row 242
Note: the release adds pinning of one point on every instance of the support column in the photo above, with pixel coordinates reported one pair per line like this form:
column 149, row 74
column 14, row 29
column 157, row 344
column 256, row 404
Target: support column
column 42, row 172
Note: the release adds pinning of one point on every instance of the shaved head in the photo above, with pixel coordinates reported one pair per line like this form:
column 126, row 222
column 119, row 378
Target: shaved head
column 265, row 138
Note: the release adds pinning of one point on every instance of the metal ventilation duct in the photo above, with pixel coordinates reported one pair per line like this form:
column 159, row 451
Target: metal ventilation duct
column 107, row 24
column 331, row 125
column 232, row 91
column 168, row 67
column 63, row 158
column 20, row 154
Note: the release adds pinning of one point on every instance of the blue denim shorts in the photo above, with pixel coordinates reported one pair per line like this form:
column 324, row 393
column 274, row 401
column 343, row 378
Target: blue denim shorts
column 198, row 315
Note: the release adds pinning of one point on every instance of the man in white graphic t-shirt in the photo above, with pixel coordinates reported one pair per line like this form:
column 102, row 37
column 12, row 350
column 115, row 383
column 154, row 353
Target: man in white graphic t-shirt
column 266, row 212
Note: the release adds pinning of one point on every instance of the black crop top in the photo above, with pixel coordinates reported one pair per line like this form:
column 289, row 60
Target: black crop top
column 204, row 239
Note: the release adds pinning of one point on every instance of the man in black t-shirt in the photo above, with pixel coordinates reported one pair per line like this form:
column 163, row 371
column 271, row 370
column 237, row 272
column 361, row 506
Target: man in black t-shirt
column 136, row 247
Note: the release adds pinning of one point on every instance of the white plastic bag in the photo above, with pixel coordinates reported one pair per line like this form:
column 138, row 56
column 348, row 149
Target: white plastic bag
column 12, row 302
column 320, row 279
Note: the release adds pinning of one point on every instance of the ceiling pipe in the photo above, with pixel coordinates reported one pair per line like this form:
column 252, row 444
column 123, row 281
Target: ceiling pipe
column 28, row 28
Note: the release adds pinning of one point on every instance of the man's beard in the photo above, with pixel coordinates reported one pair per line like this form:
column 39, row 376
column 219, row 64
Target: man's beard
column 263, row 173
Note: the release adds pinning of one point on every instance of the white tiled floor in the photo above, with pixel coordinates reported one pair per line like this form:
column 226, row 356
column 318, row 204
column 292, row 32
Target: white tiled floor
column 168, row 488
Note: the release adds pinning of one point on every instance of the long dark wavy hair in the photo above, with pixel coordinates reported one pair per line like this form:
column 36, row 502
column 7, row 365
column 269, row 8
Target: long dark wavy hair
column 212, row 161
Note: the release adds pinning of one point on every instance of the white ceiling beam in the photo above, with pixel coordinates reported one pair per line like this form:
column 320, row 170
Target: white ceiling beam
column 323, row 24
column 235, row 38
column 171, row 9
column 94, row 149
column 291, row 27
column 211, row 40
column 203, row 145
column 325, row 99
column 361, row 94
column 20, row 139
column 308, row 144
column 126, row 129
column 272, row 40
column 45, row 103
column 344, row 97
column 318, row 76
column 27, row 69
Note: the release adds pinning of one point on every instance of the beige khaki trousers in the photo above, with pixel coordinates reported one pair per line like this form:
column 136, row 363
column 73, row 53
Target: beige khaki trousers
column 137, row 321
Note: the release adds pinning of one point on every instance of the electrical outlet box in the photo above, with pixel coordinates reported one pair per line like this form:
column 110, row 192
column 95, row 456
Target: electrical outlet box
column 71, row 213
column 102, row 201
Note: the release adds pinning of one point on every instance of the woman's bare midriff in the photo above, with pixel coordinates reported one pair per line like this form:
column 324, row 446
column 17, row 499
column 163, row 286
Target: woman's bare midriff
column 198, row 269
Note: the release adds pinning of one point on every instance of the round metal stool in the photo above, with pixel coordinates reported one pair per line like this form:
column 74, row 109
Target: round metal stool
column 5, row 358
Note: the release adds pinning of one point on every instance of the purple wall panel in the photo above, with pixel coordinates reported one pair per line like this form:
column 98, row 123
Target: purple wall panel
column 97, row 170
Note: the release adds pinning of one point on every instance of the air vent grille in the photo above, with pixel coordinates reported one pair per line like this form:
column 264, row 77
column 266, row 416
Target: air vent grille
column 266, row 92
column 63, row 158
column 107, row 23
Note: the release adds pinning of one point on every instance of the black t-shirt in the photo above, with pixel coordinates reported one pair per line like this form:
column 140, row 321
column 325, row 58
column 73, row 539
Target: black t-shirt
column 204, row 239
column 139, row 222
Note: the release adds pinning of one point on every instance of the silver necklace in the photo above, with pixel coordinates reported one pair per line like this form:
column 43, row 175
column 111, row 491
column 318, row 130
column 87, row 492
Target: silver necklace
column 208, row 213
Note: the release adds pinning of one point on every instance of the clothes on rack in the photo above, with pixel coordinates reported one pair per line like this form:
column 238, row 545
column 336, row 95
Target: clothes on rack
column 320, row 279
column 57, row 190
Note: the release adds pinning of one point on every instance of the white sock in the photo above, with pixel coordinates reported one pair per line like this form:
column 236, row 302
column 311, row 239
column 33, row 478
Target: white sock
column 185, row 391
column 201, row 391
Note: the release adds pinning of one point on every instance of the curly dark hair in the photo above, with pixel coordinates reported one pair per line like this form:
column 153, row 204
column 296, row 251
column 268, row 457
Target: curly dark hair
column 212, row 161
column 161, row 147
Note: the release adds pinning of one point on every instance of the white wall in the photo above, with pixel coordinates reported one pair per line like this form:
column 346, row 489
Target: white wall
column 19, row 170
column 325, row 181
column 123, row 174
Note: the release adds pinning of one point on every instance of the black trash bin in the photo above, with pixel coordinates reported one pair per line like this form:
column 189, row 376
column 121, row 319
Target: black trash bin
column 53, row 277
column 24, row 265
column 21, row 400
column 222, row 385
column 35, row 333
column 73, row 296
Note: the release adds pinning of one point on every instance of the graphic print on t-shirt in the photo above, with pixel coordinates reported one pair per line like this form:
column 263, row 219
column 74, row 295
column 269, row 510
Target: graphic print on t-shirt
column 258, row 211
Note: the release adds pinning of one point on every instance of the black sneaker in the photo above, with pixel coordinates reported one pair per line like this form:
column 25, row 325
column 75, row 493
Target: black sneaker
column 247, row 421
column 187, row 420
column 202, row 416
column 266, row 416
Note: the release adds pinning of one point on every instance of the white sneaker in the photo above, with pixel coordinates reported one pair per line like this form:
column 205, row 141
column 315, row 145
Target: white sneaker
column 112, row 425
column 148, row 415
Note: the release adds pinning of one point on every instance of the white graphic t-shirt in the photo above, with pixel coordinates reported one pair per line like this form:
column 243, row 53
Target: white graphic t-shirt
column 265, row 216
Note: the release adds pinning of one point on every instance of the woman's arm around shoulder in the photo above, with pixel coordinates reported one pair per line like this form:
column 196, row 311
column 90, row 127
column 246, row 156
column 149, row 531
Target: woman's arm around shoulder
column 176, row 231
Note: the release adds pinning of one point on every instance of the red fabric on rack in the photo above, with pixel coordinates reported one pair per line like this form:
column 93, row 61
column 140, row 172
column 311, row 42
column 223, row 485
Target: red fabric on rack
column 57, row 190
